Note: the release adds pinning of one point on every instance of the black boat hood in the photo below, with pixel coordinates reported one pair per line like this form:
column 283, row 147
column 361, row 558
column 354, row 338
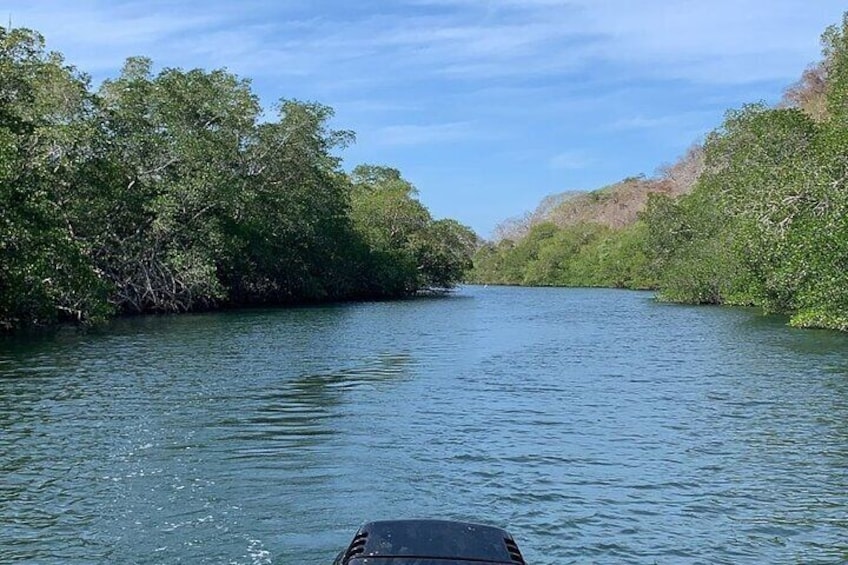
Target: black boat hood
column 430, row 542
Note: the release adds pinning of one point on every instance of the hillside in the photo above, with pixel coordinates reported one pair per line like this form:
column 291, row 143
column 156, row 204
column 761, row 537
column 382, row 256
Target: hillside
column 614, row 206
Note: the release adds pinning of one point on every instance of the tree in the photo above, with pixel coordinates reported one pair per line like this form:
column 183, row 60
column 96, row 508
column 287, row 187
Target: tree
column 45, row 131
column 293, row 238
column 406, row 250
column 177, row 142
column 444, row 252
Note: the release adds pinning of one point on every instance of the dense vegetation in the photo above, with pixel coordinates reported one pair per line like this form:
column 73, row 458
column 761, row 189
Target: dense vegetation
column 583, row 254
column 172, row 192
column 765, row 223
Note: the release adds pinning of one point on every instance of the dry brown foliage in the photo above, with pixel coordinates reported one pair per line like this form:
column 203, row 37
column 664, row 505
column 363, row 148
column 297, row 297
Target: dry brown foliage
column 810, row 92
column 615, row 206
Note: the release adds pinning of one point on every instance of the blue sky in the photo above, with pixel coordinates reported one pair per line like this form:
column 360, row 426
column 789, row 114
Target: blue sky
column 486, row 106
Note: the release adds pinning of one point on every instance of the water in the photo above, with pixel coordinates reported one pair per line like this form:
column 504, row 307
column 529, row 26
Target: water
column 597, row 426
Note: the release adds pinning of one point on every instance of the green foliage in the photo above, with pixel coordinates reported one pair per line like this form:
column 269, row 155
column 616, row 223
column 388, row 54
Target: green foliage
column 835, row 51
column 584, row 254
column 444, row 251
column 404, row 247
column 45, row 127
column 168, row 192
column 621, row 259
column 290, row 232
column 767, row 222
column 174, row 143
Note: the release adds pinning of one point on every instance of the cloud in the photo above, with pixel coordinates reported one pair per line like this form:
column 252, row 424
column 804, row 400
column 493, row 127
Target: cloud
column 722, row 41
column 640, row 122
column 409, row 134
column 103, row 35
column 570, row 160
column 679, row 120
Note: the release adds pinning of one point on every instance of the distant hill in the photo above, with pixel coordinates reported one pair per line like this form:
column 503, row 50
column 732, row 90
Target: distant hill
column 614, row 206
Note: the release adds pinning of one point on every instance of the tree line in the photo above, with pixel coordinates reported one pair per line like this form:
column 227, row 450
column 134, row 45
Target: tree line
column 171, row 192
column 765, row 223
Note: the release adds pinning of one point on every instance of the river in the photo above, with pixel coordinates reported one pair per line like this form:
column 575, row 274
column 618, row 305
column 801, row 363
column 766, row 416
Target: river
column 597, row 426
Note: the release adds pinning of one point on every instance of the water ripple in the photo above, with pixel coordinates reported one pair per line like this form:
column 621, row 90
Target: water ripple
column 597, row 426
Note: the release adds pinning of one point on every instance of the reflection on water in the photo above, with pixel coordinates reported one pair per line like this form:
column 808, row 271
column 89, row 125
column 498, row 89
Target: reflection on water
column 302, row 412
column 597, row 426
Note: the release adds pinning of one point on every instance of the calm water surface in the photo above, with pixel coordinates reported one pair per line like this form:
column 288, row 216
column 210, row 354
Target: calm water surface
column 597, row 426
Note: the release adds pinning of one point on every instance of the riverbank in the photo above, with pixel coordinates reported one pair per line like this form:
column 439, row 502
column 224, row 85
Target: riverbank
column 173, row 191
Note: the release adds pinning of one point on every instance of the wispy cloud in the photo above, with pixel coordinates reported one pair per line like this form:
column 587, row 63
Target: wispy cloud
column 410, row 134
column 640, row 122
column 102, row 36
column 723, row 41
column 570, row 160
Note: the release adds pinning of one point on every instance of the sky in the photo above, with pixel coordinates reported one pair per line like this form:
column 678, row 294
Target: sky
column 486, row 106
